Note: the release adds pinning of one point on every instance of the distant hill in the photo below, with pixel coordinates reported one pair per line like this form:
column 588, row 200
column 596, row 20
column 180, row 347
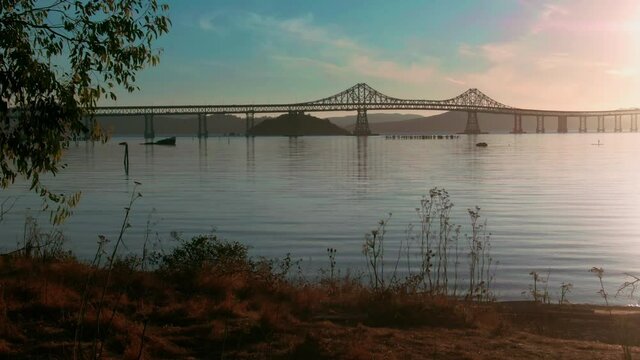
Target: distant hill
column 297, row 125
column 448, row 122
column 186, row 125
column 350, row 120
column 454, row 122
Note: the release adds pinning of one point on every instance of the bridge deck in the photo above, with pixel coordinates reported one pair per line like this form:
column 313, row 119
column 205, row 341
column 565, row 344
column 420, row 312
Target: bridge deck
column 264, row 108
column 359, row 97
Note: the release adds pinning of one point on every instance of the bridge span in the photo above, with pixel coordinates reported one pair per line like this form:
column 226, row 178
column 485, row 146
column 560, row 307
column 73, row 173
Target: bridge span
column 361, row 98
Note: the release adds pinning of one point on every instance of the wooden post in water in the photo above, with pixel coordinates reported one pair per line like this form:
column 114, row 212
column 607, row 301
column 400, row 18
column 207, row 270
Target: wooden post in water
column 126, row 157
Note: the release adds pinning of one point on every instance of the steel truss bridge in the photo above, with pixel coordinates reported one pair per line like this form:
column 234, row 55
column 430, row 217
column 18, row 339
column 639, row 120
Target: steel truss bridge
column 361, row 98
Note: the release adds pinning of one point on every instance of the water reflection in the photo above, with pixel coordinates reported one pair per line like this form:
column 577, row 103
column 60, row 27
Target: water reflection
column 297, row 157
column 361, row 155
column 251, row 154
column 89, row 149
column 202, row 147
column 148, row 154
column 297, row 148
column 203, row 153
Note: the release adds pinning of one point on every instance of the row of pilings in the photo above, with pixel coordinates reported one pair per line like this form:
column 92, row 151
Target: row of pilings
column 421, row 137
column 362, row 125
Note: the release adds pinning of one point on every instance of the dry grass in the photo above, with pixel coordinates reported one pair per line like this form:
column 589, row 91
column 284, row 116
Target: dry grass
column 245, row 312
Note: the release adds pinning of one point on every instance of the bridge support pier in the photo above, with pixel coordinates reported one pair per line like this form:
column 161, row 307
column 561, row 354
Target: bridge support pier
column 634, row 123
column 249, row 122
column 362, row 124
column 517, row 124
column 202, row 126
column 618, row 123
column 600, row 123
column 540, row 124
column 473, row 127
column 149, row 132
column 562, row 124
column 583, row 124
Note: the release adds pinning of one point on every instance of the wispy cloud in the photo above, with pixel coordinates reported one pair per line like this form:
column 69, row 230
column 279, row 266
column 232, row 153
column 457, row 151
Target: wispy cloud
column 466, row 50
column 455, row 81
column 208, row 22
column 623, row 72
column 387, row 69
column 547, row 17
column 302, row 28
column 305, row 62
column 339, row 53
column 575, row 55
column 578, row 55
column 498, row 52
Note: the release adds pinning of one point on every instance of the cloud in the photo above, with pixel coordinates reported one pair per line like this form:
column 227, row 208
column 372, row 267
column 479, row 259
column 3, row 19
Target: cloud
column 466, row 50
column 623, row 72
column 207, row 22
column 581, row 55
column 455, row 81
column 304, row 62
column 303, row 29
column 578, row 55
column 338, row 53
column 547, row 17
column 365, row 67
column 498, row 52
column 386, row 69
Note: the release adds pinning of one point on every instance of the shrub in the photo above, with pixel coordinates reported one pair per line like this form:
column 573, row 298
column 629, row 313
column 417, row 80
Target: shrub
column 202, row 251
column 42, row 245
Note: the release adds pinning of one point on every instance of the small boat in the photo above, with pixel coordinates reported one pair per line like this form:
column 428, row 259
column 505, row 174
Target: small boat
column 482, row 144
column 166, row 141
column 598, row 144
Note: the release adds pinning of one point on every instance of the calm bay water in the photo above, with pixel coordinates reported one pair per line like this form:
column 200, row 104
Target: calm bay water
column 554, row 203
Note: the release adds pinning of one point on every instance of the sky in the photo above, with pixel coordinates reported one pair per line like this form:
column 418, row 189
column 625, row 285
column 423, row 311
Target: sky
column 562, row 55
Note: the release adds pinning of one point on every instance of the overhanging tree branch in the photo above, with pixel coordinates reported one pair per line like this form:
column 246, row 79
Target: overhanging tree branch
column 99, row 44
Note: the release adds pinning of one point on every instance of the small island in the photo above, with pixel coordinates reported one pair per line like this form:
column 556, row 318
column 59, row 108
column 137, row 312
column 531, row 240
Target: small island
column 296, row 124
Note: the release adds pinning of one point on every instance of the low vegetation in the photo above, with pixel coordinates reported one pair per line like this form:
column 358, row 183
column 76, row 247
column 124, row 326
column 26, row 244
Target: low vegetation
column 226, row 305
column 296, row 124
column 204, row 299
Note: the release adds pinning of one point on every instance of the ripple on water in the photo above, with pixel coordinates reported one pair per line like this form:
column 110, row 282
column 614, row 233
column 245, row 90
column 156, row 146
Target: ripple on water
column 553, row 203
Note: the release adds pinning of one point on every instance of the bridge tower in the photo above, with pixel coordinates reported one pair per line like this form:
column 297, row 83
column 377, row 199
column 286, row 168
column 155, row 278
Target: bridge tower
column 149, row 132
column 473, row 127
column 600, row 123
column 562, row 124
column 517, row 124
column 202, row 126
column 583, row 124
column 362, row 124
column 540, row 124
column 618, row 123
column 249, row 122
column 634, row 123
